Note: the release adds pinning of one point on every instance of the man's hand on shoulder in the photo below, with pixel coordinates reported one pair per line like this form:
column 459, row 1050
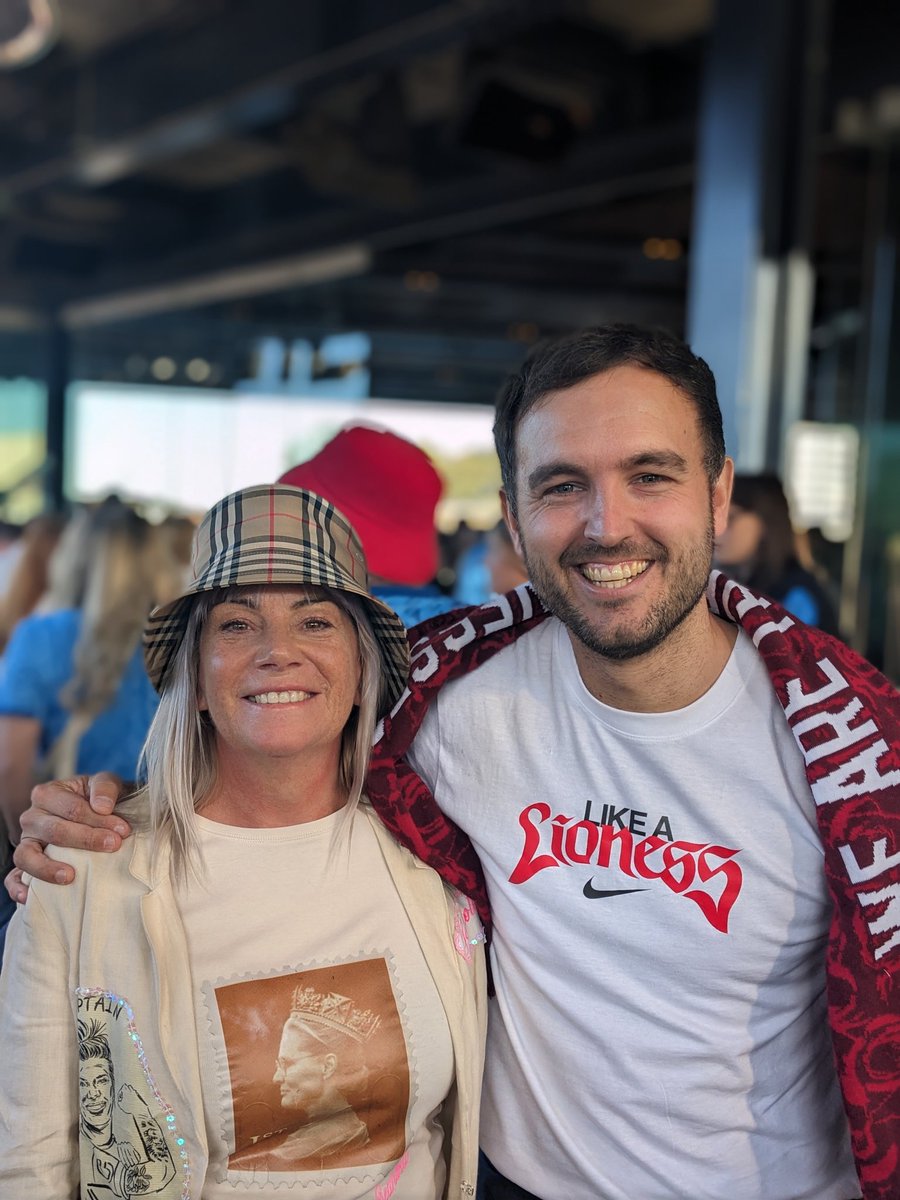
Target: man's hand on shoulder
column 69, row 812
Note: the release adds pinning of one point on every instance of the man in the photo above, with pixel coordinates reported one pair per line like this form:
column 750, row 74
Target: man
column 646, row 821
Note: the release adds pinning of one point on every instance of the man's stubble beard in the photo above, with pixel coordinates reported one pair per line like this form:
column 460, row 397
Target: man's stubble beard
column 664, row 617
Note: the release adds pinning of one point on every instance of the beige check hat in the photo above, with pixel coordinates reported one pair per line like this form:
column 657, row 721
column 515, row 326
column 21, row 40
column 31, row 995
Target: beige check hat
column 276, row 534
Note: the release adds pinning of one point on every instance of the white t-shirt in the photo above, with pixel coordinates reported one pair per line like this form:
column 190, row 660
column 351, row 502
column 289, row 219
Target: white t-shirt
column 328, row 1053
column 659, row 1029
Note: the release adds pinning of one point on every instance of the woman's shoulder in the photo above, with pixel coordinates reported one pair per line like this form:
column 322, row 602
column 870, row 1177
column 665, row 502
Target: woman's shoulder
column 61, row 623
column 46, row 635
column 93, row 869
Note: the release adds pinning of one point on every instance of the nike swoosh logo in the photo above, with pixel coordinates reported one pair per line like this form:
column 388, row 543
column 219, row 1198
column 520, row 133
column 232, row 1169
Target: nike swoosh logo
column 593, row 894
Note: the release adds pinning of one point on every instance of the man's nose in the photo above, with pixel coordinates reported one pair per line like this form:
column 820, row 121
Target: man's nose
column 607, row 517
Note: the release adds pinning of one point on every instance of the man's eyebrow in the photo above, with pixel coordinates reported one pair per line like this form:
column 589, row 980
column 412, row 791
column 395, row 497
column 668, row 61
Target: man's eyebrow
column 551, row 470
column 668, row 459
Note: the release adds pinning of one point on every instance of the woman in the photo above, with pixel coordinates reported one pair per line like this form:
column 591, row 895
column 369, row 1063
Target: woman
column 73, row 690
column 759, row 548
column 27, row 581
column 273, row 667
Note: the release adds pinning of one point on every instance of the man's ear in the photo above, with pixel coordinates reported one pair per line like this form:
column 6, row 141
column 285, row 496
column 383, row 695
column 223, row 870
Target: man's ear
column 511, row 523
column 721, row 497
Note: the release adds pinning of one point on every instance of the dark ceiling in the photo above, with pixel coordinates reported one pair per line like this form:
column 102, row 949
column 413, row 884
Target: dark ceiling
column 456, row 178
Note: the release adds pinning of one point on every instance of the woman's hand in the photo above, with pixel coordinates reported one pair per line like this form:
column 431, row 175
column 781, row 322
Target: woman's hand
column 74, row 812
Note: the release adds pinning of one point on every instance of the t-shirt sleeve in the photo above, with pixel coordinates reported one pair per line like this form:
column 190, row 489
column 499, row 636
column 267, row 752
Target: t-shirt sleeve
column 26, row 688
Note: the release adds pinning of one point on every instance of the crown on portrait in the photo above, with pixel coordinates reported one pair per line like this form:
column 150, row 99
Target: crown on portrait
column 335, row 1012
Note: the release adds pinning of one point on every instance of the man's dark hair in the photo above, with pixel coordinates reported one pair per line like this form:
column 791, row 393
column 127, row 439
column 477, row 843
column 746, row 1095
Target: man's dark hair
column 555, row 365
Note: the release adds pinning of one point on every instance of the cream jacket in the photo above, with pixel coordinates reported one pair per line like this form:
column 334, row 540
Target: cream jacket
column 109, row 951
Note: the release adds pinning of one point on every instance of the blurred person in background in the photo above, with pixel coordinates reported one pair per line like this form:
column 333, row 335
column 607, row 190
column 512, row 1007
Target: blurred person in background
column 10, row 549
column 389, row 490
column 73, row 691
column 469, row 558
column 504, row 563
column 759, row 549
column 26, row 584
column 176, row 537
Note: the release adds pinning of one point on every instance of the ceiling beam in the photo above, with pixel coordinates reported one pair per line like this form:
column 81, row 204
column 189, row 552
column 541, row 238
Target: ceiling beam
column 618, row 168
column 165, row 95
column 257, row 279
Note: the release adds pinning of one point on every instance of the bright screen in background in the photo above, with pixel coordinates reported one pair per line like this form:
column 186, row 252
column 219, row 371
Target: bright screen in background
column 23, row 446
column 184, row 449
column 821, row 463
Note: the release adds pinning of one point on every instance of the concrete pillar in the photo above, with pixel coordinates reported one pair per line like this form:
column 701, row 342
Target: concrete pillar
column 751, row 283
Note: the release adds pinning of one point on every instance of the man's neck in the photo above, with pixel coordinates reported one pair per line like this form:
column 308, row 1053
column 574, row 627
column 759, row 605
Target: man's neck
column 672, row 676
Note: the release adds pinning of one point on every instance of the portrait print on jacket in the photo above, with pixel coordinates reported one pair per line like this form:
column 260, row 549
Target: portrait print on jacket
column 123, row 1142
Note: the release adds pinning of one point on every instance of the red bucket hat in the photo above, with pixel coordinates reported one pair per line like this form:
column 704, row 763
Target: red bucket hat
column 388, row 489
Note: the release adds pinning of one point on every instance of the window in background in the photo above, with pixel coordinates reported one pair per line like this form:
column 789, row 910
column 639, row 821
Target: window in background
column 184, row 448
column 23, row 447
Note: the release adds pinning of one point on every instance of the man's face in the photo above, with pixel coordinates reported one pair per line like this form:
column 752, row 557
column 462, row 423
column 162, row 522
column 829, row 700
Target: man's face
column 300, row 1072
column 95, row 1088
column 616, row 517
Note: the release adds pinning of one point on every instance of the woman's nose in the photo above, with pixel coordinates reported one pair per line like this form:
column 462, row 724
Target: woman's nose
column 279, row 648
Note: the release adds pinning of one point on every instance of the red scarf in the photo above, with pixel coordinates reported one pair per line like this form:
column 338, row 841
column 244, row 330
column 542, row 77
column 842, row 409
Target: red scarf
column 845, row 717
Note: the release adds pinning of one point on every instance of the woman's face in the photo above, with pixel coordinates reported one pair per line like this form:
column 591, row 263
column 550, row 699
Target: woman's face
column 740, row 541
column 279, row 673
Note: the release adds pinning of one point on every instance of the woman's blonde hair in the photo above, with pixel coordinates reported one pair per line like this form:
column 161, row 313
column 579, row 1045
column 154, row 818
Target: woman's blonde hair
column 179, row 757
column 112, row 565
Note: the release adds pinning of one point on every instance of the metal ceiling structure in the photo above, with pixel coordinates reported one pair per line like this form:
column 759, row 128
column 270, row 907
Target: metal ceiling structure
column 454, row 177
column 473, row 169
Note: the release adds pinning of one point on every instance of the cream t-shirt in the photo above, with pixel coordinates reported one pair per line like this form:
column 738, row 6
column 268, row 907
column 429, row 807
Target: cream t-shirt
column 324, row 1048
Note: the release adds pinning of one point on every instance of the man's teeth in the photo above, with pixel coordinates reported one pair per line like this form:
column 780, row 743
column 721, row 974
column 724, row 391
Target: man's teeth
column 279, row 697
column 617, row 575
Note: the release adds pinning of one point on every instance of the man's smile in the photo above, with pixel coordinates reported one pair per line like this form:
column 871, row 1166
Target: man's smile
column 614, row 575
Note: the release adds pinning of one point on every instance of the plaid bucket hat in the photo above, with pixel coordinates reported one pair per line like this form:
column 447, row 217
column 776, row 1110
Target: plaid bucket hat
column 276, row 534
